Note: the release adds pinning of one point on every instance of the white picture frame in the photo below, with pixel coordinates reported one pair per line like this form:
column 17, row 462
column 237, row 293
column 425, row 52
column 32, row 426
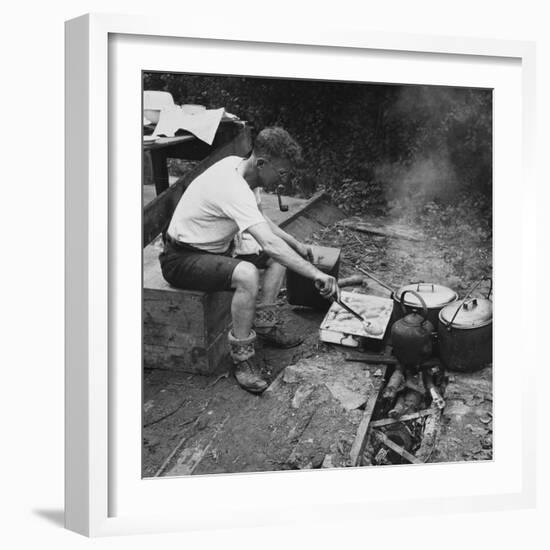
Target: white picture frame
column 96, row 410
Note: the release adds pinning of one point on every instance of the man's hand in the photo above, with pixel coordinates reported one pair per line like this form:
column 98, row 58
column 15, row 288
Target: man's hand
column 328, row 286
column 305, row 251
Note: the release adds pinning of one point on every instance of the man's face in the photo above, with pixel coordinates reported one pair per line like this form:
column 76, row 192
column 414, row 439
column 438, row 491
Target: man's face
column 273, row 172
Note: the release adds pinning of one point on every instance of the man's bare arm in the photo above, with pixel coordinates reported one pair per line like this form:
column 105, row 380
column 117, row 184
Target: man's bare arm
column 289, row 239
column 282, row 253
column 295, row 244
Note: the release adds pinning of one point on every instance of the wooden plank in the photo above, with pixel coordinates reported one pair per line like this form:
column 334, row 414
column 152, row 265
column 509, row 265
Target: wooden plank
column 167, row 141
column 172, row 331
column 384, row 231
column 157, row 214
column 371, row 358
column 175, row 336
column 404, row 418
column 374, row 358
column 270, row 207
column 202, row 314
column 303, row 227
column 325, row 213
column 432, row 427
column 362, row 434
column 310, row 203
column 193, row 359
column 328, row 427
column 397, row 449
column 181, row 309
column 191, row 457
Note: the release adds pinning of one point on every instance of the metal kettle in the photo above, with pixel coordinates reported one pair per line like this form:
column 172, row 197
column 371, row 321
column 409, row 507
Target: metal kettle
column 412, row 335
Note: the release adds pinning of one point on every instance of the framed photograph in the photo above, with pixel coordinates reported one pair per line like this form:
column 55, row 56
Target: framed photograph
column 222, row 187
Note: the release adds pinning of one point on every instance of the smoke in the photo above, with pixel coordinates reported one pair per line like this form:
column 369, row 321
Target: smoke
column 429, row 130
column 429, row 176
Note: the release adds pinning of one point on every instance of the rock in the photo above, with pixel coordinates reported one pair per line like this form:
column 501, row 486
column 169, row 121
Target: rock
column 348, row 398
column 476, row 400
column 317, row 460
column 355, row 416
column 456, row 408
column 484, row 454
column 301, row 394
column 476, row 430
column 327, row 462
column 289, row 376
column 202, row 421
column 151, row 441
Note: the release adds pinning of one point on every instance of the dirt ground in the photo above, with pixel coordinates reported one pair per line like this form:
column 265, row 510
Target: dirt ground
column 183, row 398
column 454, row 254
column 180, row 409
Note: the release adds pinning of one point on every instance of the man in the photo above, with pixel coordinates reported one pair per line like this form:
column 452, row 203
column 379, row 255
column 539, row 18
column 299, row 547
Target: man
column 218, row 205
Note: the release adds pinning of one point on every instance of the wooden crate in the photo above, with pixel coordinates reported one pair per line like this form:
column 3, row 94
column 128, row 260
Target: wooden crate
column 184, row 329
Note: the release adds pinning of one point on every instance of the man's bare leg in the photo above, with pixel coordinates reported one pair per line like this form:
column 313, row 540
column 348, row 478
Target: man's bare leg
column 241, row 337
column 266, row 321
column 273, row 279
column 245, row 281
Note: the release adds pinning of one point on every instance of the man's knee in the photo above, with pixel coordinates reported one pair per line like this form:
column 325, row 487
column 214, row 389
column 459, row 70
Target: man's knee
column 245, row 276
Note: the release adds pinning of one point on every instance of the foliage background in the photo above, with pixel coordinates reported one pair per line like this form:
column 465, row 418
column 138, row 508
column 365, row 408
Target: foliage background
column 396, row 149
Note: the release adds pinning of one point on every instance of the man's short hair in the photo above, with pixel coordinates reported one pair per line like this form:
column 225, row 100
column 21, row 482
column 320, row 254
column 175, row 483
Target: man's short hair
column 276, row 143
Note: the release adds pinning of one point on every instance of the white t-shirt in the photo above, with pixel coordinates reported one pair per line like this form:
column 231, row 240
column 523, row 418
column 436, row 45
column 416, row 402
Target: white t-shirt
column 245, row 243
column 216, row 206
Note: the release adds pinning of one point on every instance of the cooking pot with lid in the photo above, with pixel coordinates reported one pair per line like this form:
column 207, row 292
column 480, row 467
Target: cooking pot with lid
column 435, row 296
column 466, row 333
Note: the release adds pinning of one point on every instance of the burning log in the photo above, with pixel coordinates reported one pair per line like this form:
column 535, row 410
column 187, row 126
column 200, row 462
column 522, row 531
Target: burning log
column 432, row 427
column 406, row 404
column 428, row 381
column 395, row 384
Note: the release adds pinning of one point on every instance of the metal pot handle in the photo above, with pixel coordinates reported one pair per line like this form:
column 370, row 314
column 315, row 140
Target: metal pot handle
column 491, row 287
column 477, row 284
column 474, row 301
column 424, row 308
column 469, row 304
column 418, row 285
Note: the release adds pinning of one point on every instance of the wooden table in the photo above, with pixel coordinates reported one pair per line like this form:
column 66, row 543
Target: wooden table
column 184, row 146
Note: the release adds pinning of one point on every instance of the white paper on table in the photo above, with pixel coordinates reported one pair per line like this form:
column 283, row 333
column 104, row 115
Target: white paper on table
column 203, row 124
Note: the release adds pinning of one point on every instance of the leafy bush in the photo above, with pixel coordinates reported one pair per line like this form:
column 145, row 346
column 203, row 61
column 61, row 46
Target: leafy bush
column 368, row 145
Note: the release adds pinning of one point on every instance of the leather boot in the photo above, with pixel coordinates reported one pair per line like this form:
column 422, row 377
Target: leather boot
column 246, row 372
column 271, row 329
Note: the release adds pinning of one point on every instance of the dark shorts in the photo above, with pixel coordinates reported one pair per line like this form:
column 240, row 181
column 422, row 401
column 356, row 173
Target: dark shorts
column 189, row 268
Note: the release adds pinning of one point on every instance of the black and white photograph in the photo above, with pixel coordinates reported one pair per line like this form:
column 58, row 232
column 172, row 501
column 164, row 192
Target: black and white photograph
column 317, row 274
column 278, row 275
